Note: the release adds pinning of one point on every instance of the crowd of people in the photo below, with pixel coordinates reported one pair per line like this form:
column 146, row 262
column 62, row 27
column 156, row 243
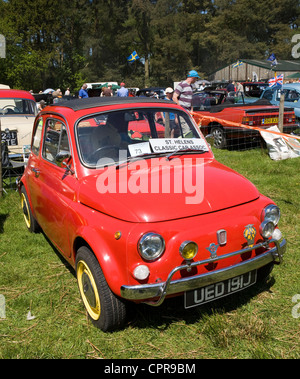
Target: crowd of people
column 182, row 94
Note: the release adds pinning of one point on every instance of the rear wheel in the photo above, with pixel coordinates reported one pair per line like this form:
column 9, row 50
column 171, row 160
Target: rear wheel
column 219, row 137
column 106, row 311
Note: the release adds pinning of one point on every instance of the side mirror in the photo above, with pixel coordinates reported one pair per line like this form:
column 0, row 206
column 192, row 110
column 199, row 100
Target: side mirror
column 62, row 156
column 60, row 160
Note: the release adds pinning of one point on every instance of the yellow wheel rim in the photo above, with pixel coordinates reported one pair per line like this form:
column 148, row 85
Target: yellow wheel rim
column 88, row 290
column 25, row 208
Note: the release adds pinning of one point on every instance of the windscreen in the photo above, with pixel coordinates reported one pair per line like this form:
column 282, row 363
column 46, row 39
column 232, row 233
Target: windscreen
column 118, row 135
column 15, row 106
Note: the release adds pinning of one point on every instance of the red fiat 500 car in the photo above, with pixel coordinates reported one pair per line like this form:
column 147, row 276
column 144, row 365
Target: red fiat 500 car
column 138, row 212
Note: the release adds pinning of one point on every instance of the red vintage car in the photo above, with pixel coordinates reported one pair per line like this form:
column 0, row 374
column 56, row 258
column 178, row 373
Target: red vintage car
column 223, row 112
column 139, row 215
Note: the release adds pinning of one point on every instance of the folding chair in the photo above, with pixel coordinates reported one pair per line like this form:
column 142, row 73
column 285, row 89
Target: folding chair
column 10, row 169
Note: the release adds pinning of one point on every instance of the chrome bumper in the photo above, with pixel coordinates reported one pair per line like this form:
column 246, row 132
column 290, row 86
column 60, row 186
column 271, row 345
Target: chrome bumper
column 161, row 290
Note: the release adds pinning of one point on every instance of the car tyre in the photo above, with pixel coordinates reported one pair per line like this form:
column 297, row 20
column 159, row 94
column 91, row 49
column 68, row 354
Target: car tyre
column 30, row 221
column 106, row 311
column 219, row 137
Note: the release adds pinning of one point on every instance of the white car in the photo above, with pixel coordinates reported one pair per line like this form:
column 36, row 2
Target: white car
column 17, row 113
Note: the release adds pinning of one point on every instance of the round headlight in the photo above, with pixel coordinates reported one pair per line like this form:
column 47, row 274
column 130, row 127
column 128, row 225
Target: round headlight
column 188, row 250
column 266, row 228
column 151, row 246
column 271, row 213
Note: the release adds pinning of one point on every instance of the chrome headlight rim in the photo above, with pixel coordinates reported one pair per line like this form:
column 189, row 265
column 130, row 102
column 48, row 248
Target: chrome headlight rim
column 144, row 246
column 271, row 213
column 266, row 229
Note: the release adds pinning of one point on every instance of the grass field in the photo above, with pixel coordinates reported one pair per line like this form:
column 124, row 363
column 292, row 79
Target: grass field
column 261, row 322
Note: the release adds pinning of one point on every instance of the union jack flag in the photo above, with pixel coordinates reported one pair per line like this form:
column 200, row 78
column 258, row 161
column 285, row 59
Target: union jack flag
column 276, row 80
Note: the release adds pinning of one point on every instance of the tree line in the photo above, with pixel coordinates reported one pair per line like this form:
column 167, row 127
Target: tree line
column 55, row 43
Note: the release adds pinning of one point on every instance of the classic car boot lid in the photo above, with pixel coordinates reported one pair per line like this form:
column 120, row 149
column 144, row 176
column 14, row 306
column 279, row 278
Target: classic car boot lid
column 216, row 187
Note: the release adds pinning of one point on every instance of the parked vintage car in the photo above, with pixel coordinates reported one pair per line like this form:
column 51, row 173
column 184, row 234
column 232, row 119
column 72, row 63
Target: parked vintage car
column 291, row 93
column 17, row 113
column 138, row 214
column 254, row 89
column 222, row 109
column 155, row 92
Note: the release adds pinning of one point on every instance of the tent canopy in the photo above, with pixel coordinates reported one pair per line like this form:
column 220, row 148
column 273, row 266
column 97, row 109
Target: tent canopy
column 296, row 75
column 113, row 86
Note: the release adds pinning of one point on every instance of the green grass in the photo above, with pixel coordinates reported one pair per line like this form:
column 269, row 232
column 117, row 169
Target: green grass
column 256, row 323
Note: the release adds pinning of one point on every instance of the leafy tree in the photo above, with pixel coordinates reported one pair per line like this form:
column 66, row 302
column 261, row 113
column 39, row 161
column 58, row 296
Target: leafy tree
column 54, row 43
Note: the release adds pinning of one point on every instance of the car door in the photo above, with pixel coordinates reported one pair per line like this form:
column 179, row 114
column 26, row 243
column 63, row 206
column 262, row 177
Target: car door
column 52, row 184
column 292, row 100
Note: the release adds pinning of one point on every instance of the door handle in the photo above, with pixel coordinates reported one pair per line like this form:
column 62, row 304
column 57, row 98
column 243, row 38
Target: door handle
column 36, row 171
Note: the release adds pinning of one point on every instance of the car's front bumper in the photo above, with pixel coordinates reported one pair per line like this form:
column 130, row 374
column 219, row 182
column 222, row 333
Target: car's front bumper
column 158, row 291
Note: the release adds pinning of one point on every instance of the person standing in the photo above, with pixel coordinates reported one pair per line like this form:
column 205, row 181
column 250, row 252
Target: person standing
column 83, row 92
column 231, row 86
column 107, row 91
column 239, row 88
column 174, row 128
column 122, row 92
column 184, row 92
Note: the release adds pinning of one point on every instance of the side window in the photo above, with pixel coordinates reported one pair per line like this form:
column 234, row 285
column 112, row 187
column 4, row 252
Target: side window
column 268, row 95
column 36, row 143
column 55, row 140
column 292, row 96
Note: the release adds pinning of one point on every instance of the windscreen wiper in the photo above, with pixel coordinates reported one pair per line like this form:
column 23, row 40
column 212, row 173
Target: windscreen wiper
column 135, row 157
column 183, row 151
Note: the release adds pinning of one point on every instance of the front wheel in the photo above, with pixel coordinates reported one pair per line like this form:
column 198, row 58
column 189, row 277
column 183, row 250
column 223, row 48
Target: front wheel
column 30, row 221
column 106, row 311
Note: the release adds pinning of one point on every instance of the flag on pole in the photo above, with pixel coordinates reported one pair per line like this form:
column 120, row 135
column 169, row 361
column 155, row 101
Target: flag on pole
column 237, row 64
column 133, row 57
column 272, row 59
column 277, row 80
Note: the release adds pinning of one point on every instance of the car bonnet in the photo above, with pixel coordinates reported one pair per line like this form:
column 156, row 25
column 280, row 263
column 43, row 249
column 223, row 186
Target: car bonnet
column 149, row 196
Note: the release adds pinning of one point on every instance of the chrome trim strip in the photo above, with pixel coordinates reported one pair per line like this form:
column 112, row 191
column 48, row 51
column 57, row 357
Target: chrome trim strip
column 161, row 290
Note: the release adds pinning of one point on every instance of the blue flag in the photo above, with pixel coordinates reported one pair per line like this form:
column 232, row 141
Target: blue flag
column 133, row 57
column 237, row 64
column 272, row 59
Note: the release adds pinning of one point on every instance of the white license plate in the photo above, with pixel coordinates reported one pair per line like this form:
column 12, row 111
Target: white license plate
column 215, row 291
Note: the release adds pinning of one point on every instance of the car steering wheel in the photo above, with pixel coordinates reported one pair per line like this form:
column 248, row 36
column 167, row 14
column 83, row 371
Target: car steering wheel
column 12, row 107
column 94, row 153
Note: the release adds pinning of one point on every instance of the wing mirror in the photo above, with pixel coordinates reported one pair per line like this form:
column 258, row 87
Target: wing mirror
column 61, row 158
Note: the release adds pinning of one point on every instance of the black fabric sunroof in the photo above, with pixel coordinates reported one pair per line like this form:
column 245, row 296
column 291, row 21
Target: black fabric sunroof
column 79, row 104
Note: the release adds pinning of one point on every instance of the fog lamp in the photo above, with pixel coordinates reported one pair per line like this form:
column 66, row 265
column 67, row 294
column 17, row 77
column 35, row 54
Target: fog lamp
column 266, row 228
column 277, row 235
column 188, row 250
column 141, row 272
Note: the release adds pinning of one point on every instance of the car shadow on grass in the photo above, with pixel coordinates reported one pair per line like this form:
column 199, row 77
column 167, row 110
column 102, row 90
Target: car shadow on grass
column 3, row 218
column 172, row 310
